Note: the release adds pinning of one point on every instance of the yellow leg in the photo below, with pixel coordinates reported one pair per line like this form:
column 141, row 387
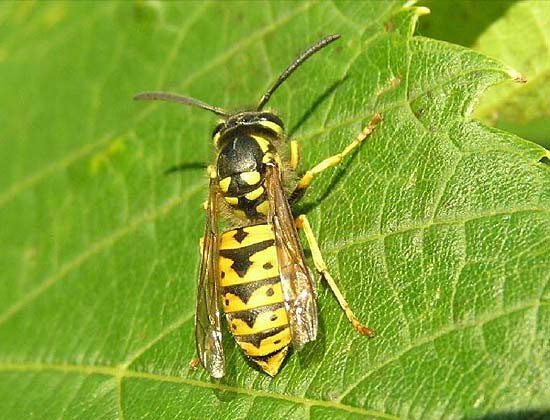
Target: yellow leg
column 334, row 160
column 294, row 154
column 303, row 223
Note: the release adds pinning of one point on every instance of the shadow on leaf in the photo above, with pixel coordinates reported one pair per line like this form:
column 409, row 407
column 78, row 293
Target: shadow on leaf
column 517, row 415
column 311, row 110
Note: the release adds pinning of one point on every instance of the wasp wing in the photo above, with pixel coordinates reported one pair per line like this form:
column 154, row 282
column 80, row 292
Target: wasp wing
column 296, row 279
column 208, row 334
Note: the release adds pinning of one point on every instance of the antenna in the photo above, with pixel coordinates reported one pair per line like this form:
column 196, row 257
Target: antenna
column 173, row 97
column 298, row 61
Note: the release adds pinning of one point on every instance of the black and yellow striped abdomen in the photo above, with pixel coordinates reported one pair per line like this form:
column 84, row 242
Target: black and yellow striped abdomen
column 252, row 296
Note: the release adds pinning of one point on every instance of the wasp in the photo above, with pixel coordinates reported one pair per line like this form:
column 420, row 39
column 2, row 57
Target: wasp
column 256, row 271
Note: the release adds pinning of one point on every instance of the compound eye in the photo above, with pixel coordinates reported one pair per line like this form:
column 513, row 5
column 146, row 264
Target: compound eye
column 216, row 132
column 268, row 116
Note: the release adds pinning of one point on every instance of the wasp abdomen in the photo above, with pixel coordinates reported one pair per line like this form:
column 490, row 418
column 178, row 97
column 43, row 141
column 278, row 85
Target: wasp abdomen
column 252, row 295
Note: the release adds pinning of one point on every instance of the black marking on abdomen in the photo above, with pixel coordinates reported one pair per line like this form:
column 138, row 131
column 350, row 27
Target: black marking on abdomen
column 241, row 256
column 257, row 338
column 250, row 206
column 240, row 235
column 267, row 356
column 245, row 291
column 250, row 315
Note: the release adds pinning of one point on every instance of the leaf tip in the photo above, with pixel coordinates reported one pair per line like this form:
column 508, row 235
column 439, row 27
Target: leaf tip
column 422, row 11
column 516, row 76
column 418, row 10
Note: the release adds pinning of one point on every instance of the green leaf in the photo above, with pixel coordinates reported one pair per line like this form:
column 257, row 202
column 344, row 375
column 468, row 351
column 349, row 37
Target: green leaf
column 521, row 38
column 437, row 229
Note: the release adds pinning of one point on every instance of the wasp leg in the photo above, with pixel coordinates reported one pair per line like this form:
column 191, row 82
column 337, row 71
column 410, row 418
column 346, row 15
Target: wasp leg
column 303, row 223
column 334, row 160
column 294, row 154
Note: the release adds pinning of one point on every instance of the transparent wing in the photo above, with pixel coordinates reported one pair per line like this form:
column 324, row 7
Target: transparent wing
column 296, row 279
column 208, row 334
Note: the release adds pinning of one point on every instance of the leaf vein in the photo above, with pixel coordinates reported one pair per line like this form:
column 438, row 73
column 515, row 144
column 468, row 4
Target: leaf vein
column 339, row 245
column 532, row 304
column 131, row 374
column 170, row 328
column 95, row 248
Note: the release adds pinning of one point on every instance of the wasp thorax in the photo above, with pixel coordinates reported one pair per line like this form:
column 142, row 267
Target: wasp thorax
column 242, row 155
column 241, row 174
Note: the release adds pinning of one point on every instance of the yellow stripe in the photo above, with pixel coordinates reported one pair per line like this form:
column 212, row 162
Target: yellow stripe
column 251, row 178
column 233, row 201
column 263, row 207
column 273, row 126
column 294, row 154
column 255, row 272
column 232, row 303
column 267, row 345
column 224, row 184
column 270, row 157
column 252, row 195
column 256, row 234
column 263, row 143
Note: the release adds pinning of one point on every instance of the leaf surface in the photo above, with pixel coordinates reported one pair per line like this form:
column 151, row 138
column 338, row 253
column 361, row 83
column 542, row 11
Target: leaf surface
column 437, row 229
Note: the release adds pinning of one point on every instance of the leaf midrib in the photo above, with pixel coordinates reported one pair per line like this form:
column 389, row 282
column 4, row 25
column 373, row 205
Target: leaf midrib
column 120, row 373
column 338, row 246
column 99, row 246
